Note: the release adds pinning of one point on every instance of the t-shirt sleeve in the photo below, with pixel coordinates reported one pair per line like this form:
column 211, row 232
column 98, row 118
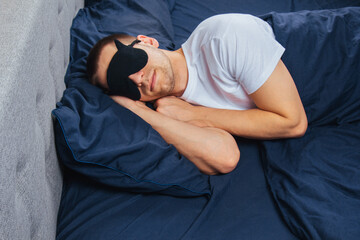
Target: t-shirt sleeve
column 242, row 48
column 252, row 46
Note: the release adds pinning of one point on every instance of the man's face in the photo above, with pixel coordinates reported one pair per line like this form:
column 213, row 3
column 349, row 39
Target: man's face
column 154, row 81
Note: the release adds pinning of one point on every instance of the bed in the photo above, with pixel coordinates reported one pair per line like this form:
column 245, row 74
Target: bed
column 34, row 55
column 123, row 181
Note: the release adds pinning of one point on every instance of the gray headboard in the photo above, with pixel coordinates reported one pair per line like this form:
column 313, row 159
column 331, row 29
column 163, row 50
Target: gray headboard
column 34, row 54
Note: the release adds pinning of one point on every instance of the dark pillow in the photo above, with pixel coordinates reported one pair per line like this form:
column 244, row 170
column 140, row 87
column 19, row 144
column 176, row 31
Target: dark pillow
column 98, row 138
column 104, row 141
column 187, row 14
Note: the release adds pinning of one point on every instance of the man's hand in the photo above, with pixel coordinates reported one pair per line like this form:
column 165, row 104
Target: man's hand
column 176, row 108
column 128, row 103
column 181, row 110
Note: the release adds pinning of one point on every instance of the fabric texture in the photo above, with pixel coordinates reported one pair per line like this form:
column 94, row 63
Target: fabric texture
column 229, row 56
column 240, row 205
column 34, row 54
column 198, row 10
column 315, row 179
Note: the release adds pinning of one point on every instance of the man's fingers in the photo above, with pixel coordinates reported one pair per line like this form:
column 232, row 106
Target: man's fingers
column 164, row 101
column 123, row 101
column 160, row 102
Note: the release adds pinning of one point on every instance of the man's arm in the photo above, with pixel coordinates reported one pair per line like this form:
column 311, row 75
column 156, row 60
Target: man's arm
column 279, row 112
column 212, row 150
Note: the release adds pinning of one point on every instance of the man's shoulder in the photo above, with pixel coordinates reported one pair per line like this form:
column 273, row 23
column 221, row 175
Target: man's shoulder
column 229, row 16
column 229, row 19
column 231, row 24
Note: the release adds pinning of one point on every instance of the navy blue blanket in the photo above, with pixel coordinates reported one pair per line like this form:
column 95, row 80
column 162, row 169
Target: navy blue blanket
column 315, row 180
column 118, row 181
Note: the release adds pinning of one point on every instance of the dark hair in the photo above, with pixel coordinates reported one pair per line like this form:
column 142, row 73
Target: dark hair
column 94, row 54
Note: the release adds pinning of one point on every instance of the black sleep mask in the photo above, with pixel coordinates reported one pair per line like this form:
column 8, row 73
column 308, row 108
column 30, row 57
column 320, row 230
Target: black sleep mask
column 126, row 61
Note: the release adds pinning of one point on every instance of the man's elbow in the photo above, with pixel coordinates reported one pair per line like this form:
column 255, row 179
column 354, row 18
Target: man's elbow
column 229, row 161
column 299, row 129
column 222, row 153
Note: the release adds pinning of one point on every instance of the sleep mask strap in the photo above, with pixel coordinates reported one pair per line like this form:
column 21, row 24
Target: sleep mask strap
column 134, row 42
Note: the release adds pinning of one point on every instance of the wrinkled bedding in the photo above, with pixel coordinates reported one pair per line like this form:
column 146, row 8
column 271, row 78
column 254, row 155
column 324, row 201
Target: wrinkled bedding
column 315, row 179
column 305, row 188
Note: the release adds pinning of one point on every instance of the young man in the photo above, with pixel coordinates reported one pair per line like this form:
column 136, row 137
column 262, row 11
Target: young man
column 229, row 73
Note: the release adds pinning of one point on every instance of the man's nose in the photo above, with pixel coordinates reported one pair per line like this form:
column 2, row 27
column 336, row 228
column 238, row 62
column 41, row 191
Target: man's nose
column 137, row 77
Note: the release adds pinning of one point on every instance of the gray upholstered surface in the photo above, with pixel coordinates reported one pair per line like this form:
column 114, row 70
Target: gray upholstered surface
column 34, row 50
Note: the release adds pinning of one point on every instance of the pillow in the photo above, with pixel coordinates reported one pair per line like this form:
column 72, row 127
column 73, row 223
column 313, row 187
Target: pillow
column 187, row 14
column 98, row 138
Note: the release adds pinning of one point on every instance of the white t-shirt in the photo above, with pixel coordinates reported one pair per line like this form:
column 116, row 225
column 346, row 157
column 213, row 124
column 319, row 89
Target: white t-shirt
column 228, row 57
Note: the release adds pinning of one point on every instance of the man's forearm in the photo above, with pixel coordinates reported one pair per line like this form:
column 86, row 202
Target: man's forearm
column 211, row 150
column 253, row 123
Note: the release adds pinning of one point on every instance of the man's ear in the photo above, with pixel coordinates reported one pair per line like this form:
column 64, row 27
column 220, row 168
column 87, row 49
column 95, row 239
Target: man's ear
column 148, row 40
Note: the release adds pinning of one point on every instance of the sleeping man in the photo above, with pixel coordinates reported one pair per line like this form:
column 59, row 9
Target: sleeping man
column 226, row 79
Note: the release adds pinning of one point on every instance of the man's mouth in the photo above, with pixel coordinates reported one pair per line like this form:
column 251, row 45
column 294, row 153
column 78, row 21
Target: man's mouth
column 153, row 81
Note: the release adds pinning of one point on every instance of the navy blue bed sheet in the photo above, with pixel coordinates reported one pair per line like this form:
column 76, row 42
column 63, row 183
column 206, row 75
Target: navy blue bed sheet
column 240, row 207
column 304, row 188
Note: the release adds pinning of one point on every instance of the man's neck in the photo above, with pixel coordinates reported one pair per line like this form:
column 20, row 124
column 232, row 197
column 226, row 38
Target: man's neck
column 178, row 62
